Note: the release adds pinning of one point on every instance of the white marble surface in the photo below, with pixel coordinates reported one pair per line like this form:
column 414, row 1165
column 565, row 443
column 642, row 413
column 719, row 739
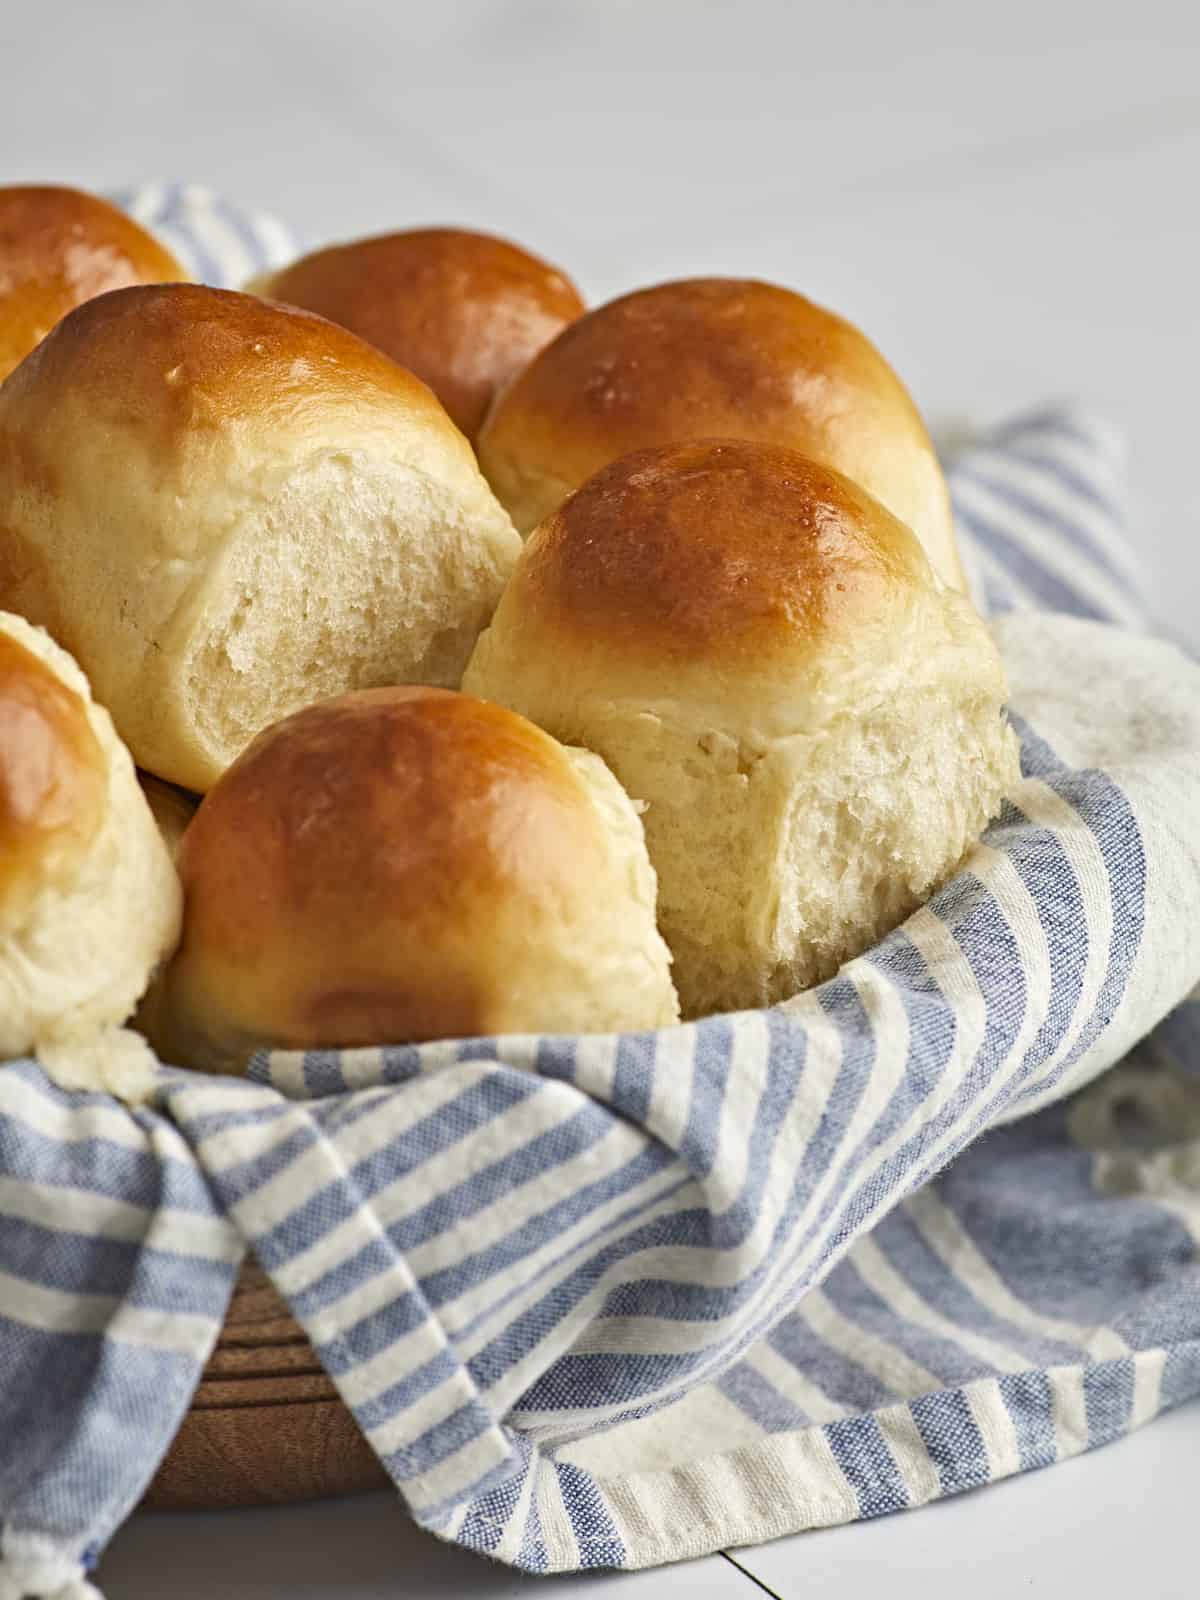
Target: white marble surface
column 1005, row 197
column 1114, row 1523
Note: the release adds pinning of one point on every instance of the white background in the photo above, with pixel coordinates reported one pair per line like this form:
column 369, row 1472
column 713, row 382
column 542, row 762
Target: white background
column 1005, row 197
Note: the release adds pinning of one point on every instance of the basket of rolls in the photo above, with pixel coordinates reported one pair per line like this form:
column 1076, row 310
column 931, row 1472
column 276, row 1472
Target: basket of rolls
column 523, row 804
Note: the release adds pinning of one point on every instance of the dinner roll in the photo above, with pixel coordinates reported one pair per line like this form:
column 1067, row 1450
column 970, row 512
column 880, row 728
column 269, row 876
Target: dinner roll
column 89, row 901
column 408, row 864
column 227, row 509
column 464, row 311
column 715, row 357
column 58, row 248
column 760, row 651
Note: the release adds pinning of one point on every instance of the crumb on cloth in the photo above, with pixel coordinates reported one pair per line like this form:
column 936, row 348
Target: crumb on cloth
column 115, row 1061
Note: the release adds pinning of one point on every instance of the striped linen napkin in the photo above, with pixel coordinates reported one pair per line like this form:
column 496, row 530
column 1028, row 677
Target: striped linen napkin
column 620, row 1300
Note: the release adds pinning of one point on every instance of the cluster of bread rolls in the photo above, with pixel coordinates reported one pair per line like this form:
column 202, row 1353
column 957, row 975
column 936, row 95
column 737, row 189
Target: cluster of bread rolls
column 721, row 720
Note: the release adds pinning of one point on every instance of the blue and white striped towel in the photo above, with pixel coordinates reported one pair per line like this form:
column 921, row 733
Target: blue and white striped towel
column 621, row 1300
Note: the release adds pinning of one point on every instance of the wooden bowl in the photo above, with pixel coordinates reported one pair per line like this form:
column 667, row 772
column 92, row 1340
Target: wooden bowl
column 266, row 1426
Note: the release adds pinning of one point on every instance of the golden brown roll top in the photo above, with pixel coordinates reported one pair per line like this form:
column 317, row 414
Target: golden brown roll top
column 227, row 508
column 410, row 864
column 465, row 311
column 761, row 653
column 53, row 778
column 715, row 357
column 709, row 558
column 176, row 366
column 743, row 579
column 58, row 248
column 89, row 902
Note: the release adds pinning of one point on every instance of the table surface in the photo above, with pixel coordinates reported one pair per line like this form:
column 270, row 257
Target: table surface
column 1113, row 1523
column 1004, row 198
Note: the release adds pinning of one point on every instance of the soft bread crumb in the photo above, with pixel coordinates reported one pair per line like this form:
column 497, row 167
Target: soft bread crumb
column 116, row 1061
